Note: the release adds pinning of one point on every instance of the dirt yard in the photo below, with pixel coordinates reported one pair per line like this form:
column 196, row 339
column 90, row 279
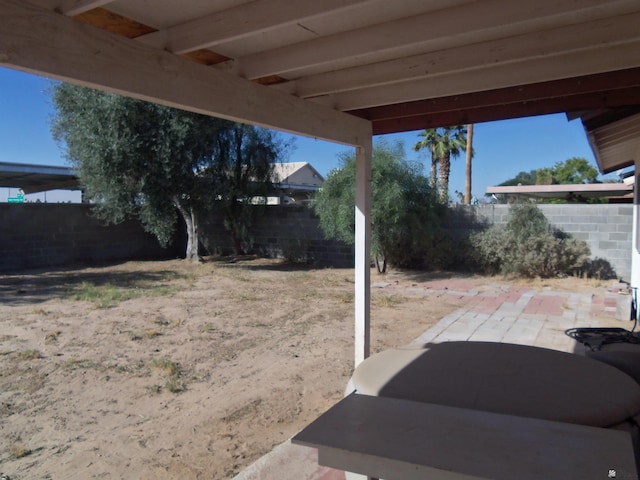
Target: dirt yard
column 172, row 370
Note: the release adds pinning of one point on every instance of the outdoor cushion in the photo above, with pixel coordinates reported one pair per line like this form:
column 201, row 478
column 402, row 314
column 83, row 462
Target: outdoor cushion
column 503, row 378
column 623, row 356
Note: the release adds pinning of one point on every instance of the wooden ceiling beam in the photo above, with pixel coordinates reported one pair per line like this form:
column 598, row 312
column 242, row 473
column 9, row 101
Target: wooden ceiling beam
column 76, row 7
column 591, row 84
column 247, row 19
column 43, row 42
column 442, row 29
column 573, row 64
column 482, row 112
column 114, row 23
column 539, row 44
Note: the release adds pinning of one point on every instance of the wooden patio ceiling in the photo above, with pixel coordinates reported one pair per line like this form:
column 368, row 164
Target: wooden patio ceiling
column 401, row 65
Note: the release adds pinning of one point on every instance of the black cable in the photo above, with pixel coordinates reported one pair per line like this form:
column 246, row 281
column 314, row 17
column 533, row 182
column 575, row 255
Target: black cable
column 594, row 338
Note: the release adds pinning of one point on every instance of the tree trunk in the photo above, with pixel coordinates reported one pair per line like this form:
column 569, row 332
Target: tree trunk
column 445, row 168
column 191, row 221
column 467, row 186
column 434, row 169
column 192, row 238
column 237, row 241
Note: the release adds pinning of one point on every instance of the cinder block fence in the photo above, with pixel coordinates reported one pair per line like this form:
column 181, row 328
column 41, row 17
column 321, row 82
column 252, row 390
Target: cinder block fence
column 34, row 235
column 607, row 228
column 281, row 230
column 41, row 235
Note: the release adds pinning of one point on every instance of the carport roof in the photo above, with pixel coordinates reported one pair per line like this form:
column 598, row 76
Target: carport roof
column 341, row 69
column 37, row 178
column 578, row 191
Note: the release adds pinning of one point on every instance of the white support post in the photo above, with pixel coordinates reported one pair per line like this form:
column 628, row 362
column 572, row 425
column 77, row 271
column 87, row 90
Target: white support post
column 363, row 251
column 635, row 235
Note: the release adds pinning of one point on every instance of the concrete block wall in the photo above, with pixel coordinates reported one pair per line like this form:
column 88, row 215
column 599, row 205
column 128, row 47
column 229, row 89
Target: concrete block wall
column 34, row 235
column 607, row 228
column 40, row 235
column 277, row 230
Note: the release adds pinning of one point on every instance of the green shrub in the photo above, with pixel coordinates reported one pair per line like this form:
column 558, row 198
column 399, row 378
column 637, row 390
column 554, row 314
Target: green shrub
column 527, row 246
column 448, row 252
column 296, row 250
column 598, row 268
column 526, row 220
column 404, row 208
column 488, row 249
column 545, row 256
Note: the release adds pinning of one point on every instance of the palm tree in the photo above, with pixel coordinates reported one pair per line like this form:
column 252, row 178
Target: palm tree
column 469, row 149
column 429, row 141
column 444, row 144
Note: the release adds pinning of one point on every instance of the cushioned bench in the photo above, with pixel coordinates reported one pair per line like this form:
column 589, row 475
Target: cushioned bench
column 503, row 378
column 405, row 440
column 623, row 356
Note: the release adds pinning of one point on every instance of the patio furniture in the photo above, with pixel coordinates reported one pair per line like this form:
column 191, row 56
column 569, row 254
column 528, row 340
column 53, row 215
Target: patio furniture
column 617, row 347
column 405, row 440
column 515, row 404
column 503, row 378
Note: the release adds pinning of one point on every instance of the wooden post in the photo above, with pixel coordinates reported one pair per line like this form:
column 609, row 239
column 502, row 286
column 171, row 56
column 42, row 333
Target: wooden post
column 363, row 252
column 635, row 235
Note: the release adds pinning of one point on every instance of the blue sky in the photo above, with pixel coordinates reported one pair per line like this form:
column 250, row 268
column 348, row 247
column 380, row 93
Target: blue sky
column 502, row 148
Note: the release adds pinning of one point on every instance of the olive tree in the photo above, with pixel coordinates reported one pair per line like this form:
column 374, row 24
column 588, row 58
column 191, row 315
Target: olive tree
column 139, row 159
column 404, row 209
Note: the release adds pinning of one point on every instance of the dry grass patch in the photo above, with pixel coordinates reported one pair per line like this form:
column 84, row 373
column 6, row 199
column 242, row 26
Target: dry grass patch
column 52, row 337
column 255, row 349
column 170, row 369
column 146, row 334
column 107, row 295
column 345, row 297
column 19, row 451
column 30, row 354
column 386, row 300
column 81, row 364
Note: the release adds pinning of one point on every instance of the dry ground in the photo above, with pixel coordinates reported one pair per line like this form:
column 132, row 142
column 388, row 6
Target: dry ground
column 172, row 370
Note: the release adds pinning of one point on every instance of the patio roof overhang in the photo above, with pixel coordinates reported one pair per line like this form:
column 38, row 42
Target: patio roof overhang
column 403, row 66
column 342, row 70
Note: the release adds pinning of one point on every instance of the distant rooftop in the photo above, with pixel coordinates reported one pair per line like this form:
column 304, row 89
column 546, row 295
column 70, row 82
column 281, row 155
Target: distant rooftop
column 298, row 174
column 39, row 178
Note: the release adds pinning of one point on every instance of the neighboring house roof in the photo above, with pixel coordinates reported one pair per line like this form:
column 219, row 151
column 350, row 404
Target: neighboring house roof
column 297, row 175
column 39, row 178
